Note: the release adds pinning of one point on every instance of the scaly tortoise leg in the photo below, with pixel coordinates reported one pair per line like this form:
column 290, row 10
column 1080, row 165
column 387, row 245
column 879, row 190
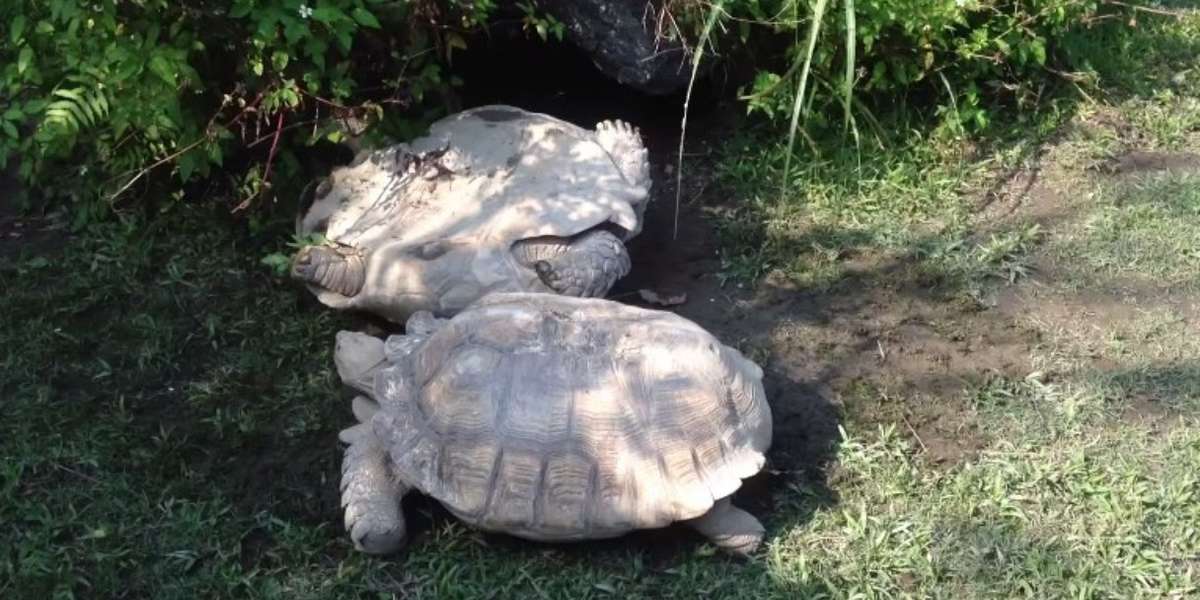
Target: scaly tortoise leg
column 730, row 528
column 338, row 271
column 585, row 266
column 623, row 142
column 370, row 495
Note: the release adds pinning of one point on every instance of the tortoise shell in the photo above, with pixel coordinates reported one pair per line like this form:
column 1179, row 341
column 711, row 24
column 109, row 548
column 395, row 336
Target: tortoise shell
column 557, row 418
column 496, row 174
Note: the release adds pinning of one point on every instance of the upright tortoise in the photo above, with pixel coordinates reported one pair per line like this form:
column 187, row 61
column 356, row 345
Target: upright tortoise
column 555, row 419
column 494, row 199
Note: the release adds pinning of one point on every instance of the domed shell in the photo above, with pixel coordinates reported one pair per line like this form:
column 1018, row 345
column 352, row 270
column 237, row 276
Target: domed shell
column 490, row 174
column 559, row 418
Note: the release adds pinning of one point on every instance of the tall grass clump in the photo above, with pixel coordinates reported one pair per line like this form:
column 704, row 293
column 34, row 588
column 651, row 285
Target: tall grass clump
column 958, row 61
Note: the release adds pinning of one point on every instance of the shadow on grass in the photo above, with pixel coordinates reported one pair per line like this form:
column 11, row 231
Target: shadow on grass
column 1154, row 389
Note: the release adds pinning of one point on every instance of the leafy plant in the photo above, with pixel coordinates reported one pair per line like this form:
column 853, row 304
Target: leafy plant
column 543, row 23
column 98, row 100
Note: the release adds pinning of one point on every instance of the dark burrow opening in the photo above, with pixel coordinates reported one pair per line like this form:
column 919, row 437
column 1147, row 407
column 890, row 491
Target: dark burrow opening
column 510, row 66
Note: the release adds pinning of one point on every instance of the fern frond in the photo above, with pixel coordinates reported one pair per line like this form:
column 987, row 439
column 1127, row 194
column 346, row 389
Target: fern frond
column 76, row 109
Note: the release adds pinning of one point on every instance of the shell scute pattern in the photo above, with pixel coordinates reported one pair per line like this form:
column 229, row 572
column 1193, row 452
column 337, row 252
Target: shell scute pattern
column 466, row 480
column 546, row 422
column 535, row 417
column 516, row 486
column 565, row 492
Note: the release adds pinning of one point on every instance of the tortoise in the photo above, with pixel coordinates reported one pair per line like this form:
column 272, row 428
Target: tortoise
column 493, row 199
column 552, row 418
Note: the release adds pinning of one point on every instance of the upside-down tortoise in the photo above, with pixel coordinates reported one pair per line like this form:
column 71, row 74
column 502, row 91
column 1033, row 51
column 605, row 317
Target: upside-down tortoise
column 555, row 419
column 493, row 199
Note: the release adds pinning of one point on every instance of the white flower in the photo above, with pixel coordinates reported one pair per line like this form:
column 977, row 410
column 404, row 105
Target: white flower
column 306, row 11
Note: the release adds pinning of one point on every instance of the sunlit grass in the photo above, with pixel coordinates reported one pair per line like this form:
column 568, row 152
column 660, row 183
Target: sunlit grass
column 170, row 407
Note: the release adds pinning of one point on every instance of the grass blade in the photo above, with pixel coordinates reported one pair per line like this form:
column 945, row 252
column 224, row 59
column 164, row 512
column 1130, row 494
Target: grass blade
column 851, row 48
column 714, row 12
column 814, row 30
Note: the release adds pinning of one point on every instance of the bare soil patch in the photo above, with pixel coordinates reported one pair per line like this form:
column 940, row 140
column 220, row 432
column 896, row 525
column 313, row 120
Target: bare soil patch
column 886, row 346
column 879, row 336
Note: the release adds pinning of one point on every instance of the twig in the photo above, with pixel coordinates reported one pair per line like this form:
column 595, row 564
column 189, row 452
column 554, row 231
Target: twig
column 76, row 473
column 270, row 161
column 916, row 435
column 207, row 135
column 1155, row 11
column 274, row 147
column 326, row 101
column 270, row 136
column 146, row 170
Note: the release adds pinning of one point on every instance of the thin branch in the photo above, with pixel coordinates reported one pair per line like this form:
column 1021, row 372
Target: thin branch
column 288, row 128
column 916, row 435
column 147, row 170
column 270, row 162
column 207, row 136
column 1146, row 9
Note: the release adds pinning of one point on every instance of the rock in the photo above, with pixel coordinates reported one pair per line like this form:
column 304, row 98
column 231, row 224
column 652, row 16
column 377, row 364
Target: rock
column 621, row 37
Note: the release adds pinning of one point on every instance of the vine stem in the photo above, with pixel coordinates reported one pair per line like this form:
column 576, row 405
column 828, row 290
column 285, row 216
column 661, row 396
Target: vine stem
column 270, row 162
column 274, row 148
column 207, row 134
column 146, row 170
column 1147, row 9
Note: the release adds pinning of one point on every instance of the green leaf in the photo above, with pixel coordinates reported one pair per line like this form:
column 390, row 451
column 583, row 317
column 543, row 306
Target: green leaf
column 241, row 9
column 17, row 29
column 295, row 30
column 23, row 59
column 1038, row 47
column 216, row 155
column 99, row 105
column 345, row 40
column 278, row 262
column 327, row 14
column 9, row 129
column 80, row 110
column 280, row 60
column 365, row 18
column 161, row 66
column 187, row 164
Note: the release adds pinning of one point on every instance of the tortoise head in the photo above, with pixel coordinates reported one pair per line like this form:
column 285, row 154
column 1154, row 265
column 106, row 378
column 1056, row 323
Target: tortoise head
column 435, row 275
column 358, row 357
column 340, row 270
column 394, row 280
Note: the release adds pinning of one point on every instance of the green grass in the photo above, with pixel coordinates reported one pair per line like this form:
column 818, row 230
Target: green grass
column 170, row 432
column 170, row 407
column 1141, row 231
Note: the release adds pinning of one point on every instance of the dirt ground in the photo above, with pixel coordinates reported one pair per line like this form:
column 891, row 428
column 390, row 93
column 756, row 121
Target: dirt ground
column 885, row 330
